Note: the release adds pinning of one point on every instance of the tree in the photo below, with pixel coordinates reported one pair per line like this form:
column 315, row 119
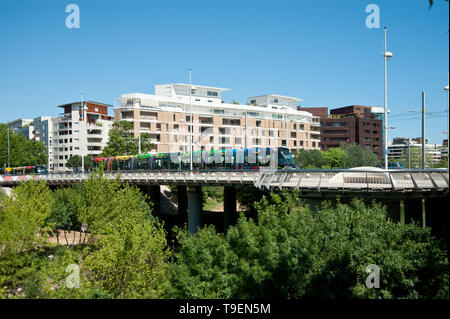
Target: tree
column 23, row 216
column 415, row 159
column 294, row 252
column 22, row 151
column 64, row 213
column 122, row 141
column 334, row 157
column 356, row 156
column 309, row 159
column 126, row 255
column 74, row 161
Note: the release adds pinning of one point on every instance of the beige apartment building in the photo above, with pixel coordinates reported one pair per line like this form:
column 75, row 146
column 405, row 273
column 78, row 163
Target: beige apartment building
column 265, row 121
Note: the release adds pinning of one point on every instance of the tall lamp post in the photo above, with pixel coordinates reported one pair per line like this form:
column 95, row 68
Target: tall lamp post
column 7, row 132
column 387, row 55
column 83, row 109
column 448, row 132
column 192, row 120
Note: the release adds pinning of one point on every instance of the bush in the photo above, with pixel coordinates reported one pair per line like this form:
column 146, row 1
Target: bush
column 293, row 252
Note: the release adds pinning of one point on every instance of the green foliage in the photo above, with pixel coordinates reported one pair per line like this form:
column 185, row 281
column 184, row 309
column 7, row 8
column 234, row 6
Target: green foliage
column 122, row 141
column 126, row 255
column 212, row 196
column 247, row 195
column 309, row 159
column 64, row 213
column 105, row 202
column 345, row 156
column 22, row 217
column 22, row 151
column 74, row 161
column 130, row 261
column 294, row 252
column 415, row 155
column 357, row 157
column 335, row 157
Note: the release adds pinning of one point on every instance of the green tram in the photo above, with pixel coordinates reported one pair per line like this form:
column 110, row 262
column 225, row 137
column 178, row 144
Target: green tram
column 232, row 159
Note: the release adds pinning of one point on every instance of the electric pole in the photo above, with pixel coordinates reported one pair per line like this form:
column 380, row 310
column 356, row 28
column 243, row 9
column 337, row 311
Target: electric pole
column 423, row 131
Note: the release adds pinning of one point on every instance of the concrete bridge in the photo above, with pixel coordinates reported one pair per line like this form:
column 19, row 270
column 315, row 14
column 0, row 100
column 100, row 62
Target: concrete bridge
column 395, row 188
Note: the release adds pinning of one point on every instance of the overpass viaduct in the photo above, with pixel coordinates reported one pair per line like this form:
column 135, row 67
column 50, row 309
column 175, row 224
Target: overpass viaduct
column 402, row 191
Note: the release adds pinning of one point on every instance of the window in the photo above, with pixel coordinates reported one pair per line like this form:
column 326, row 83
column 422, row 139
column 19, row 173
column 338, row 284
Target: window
column 210, row 93
column 275, row 100
column 238, row 141
column 218, row 111
column 335, row 131
column 335, row 138
column 252, row 101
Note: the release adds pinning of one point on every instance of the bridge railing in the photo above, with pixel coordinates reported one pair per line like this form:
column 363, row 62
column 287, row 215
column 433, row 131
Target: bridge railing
column 317, row 180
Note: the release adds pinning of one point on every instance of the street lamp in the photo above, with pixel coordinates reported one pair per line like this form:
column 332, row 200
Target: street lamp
column 448, row 99
column 7, row 132
column 387, row 56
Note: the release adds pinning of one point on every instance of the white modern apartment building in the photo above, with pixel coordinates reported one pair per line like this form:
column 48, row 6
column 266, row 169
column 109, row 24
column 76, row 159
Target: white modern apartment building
column 265, row 121
column 399, row 148
column 81, row 130
column 43, row 132
column 23, row 126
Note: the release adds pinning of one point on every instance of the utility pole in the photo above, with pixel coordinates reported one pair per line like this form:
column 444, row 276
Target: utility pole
column 448, row 129
column 139, row 137
column 192, row 120
column 82, row 134
column 387, row 55
column 7, row 132
column 423, row 131
column 409, row 153
column 245, row 129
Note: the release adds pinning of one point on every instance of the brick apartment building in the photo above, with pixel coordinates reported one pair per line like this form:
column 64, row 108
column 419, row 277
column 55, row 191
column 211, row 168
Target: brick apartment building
column 350, row 124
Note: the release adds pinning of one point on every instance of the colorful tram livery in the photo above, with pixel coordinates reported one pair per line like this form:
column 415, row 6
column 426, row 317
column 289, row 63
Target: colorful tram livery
column 233, row 159
column 24, row 170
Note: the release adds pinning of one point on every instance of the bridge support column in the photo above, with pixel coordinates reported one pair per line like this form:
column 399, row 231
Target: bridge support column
column 402, row 212
column 229, row 203
column 182, row 204
column 195, row 203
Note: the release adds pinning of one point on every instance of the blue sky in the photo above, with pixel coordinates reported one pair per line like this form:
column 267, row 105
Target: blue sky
column 319, row 51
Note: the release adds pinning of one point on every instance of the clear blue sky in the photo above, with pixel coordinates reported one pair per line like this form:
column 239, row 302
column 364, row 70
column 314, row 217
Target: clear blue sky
column 319, row 51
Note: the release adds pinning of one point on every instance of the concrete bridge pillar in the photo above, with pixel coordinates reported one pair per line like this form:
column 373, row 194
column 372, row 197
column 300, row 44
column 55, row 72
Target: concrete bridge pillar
column 195, row 204
column 182, row 204
column 229, row 203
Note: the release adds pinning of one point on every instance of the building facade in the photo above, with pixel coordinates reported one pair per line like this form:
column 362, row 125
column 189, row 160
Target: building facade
column 401, row 147
column 350, row 124
column 23, row 126
column 175, row 110
column 81, row 130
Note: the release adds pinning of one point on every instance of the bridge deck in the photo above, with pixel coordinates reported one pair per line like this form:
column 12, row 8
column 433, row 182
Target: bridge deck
column 309, row 180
